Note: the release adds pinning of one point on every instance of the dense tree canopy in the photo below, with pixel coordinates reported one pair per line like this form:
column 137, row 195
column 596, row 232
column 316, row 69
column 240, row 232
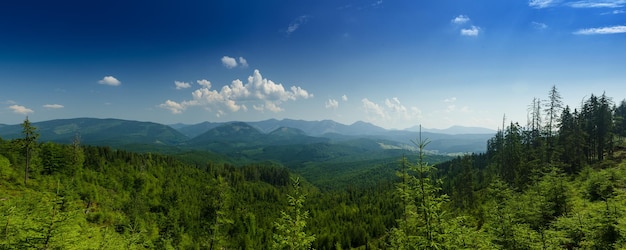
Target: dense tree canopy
column 557, row 183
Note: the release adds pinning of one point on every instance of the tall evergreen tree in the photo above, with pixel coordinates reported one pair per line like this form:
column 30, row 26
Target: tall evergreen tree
column 290, row 233
column 422, row 225
column 29, row 143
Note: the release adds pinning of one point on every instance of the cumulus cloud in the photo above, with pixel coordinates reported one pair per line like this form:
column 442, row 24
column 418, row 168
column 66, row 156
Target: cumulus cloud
column 472, row 31
column 229, row 62
column 204, row 83
column 243, row 62
column 53, row 106
column 332, row 104
column 295, row 24
column 173, row 106
column 539, row 26
column 110, row 80
column 262, row 93
column 460, row 19
column 598, row 4
column 540, row 4
column 19, row 109
column 182, row 85
column 344, row 98
column 602, row 31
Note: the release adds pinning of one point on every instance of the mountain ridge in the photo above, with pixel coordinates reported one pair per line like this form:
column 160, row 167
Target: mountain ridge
column 237, row 135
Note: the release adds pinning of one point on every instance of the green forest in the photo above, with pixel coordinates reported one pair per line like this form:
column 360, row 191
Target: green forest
column 556, row 182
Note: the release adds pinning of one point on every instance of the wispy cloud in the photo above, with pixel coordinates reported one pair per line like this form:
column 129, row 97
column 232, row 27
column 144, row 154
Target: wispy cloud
column 182, row 85
column 392, row 111
column 53, row 106
column 295, row 24
column 598, row 4
column 539, row 26
column 344, row 98
column 540, row 4
column 449, row 100
column 110, row 80
column 602, row 31
column 332, row 104
column 372, row 108
column 472, row 31
column 460, row 19
column 19, row 109
column 263, row 94
column 614, row 12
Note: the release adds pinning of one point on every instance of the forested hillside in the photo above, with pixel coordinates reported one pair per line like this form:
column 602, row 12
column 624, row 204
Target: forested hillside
column 557, row 182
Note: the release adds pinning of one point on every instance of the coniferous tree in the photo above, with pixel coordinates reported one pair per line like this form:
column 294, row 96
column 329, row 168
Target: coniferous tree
column 290, row 228
column 29, row 143
column 423, row 223
column 222, row 205
column 620, row 119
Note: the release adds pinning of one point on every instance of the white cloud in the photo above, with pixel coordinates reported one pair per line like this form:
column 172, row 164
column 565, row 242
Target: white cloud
column 332, row 104
column 373, row 108
column 243, row 62
column 614, row 12
column 601, row 31
column 540, row 4
column 182, row 85
column 229, row 62
column 344, row 98
column 598, row 4
column 392, row 112
column 173, row 106
column 472, row 31
column 261, row 93
column 19, row 109
column 539, row 26
column 293, row 26
column 460, row 19
column 110, row 80
column 53, row 106
column 204, row 83
column 394, row 105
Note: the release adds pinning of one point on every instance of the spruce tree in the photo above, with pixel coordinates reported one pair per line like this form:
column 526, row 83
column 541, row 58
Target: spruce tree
column 290, row 233
column 29, row 143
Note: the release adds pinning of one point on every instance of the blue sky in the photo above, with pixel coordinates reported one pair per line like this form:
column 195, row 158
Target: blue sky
column 394, row 63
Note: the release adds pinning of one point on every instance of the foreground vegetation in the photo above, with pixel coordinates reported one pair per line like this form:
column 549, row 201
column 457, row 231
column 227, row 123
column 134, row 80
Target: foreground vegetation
column 558, row 182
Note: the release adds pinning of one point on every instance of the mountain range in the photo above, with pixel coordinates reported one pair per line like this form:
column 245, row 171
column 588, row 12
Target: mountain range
column 228, row 136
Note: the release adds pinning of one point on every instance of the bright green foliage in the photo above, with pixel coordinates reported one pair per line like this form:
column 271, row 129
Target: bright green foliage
column 290, row 227
column 425, row 223
column 222, row 206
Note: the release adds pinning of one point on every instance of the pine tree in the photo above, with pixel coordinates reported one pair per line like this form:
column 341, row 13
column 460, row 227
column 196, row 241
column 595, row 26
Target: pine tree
column 222, row 205
column 29, row 143
column 290, row 233
column 423, row 223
